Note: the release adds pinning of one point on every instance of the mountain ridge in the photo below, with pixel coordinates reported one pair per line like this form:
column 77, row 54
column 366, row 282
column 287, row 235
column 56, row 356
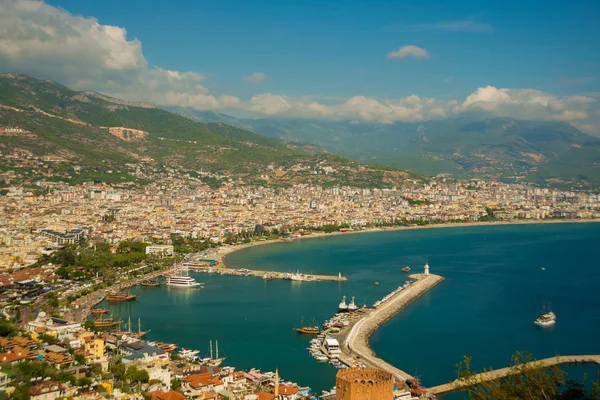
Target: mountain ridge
column 468, row 146
column 92, row 129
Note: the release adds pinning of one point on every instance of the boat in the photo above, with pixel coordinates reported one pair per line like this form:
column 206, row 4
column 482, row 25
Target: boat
column 310, row 330
column 406, row 269
column 150, row 283
column 119, row 297
column 343, row 307
column 352, row 306
column 98, row 311
column 543, row 269
column 166, row 347
column 183, row 280
column 546, row 319
column 106, row 322
column 376, row 283
column 268, row 277
column 137, row 335
column 187, row 354
column 210, row 361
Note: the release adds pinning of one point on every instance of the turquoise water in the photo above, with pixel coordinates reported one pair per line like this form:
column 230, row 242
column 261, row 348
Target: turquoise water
column 485, row 308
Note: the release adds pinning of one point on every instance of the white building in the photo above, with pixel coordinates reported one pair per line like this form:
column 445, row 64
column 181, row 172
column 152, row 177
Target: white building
column 160, row 249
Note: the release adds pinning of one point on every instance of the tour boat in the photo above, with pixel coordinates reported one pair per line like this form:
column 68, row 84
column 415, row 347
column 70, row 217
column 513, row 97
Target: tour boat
column 106, row 323
column 406, row 269
column 98, row 311
column 183, row 280
column 310, row 330
column 118, row 297
column 151, row 283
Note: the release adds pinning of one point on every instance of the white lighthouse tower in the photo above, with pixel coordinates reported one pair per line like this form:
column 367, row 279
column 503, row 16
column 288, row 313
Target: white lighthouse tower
column 426, row 267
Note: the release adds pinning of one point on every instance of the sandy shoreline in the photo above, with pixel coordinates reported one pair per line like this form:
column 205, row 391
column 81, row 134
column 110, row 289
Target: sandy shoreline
column 232, row 249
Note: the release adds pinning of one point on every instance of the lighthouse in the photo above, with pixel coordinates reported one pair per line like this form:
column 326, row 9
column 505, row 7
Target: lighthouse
column 426, row 267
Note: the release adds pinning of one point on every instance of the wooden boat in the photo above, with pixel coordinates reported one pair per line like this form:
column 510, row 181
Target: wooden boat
column 106, row 323
column 116, row 297
column 309, row 330
column 98, row 311
column 139, row 334
column 150, row 283
column 166, row 347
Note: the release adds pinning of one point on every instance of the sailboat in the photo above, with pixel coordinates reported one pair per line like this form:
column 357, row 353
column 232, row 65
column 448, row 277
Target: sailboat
column 137, row 334
column 311, row 330
column 210, row 361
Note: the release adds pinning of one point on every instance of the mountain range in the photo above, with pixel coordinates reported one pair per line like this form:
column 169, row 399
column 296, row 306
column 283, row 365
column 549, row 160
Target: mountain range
column 105, row 138
column 552, row 152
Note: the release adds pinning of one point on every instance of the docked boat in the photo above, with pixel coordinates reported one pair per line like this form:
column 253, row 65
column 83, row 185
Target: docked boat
column 310, row 330
column 150, row 283
column 136, row 335
column 352, row 306
column 343, row 307
column 187, row 354
column 183, row 280
column 546, row 319
column 406, row 269
column 166, row 347
column 98, row 311
column 106, row 323
column 210, row 361
column 120, row 297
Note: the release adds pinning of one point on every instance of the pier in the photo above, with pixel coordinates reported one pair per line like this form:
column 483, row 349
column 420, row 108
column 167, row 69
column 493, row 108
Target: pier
column 297, row 276
column 356, row 339
column 461, row 384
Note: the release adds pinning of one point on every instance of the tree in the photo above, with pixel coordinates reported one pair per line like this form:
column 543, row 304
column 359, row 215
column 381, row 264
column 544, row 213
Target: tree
column 527, row 379
column 6, row 328
column 83, row 382
column 175, row 384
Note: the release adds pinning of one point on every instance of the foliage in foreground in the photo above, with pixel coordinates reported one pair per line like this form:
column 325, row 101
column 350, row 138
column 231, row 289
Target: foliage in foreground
column 527, row 379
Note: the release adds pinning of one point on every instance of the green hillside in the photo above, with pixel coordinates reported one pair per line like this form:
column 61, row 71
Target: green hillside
column 74, row 126
column 544, row 151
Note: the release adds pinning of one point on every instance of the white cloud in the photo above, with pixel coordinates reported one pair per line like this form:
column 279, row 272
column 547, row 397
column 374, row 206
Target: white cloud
column 255, row 77
column 79, row 52
column 409, row 51
column 454, row 26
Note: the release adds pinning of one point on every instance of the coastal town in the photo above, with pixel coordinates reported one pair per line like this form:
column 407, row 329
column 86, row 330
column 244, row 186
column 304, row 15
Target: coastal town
column 36, row 219
column 65, row 248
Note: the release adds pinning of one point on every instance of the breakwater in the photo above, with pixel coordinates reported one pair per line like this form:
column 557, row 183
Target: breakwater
column 267, row 275
column 356, row 340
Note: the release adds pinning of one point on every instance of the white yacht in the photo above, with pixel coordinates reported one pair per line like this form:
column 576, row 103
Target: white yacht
column 546, row 319
column 183, row 280
column 343, row 306
column 352, row 306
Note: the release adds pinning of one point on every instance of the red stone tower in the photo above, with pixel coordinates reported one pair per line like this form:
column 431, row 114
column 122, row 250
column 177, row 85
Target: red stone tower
column 364, row 384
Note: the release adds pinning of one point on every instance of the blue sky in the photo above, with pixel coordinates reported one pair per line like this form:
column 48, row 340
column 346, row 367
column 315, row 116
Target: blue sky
column 338, row 48
column 309, row 56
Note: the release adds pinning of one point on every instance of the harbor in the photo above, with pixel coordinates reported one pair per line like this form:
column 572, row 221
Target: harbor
column 344, row 341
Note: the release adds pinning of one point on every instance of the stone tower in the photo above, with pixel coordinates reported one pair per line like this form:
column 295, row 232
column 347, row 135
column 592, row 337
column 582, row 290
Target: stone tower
column 364, row 384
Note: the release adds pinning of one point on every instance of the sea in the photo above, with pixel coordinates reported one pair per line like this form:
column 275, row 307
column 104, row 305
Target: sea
column 497, row 279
